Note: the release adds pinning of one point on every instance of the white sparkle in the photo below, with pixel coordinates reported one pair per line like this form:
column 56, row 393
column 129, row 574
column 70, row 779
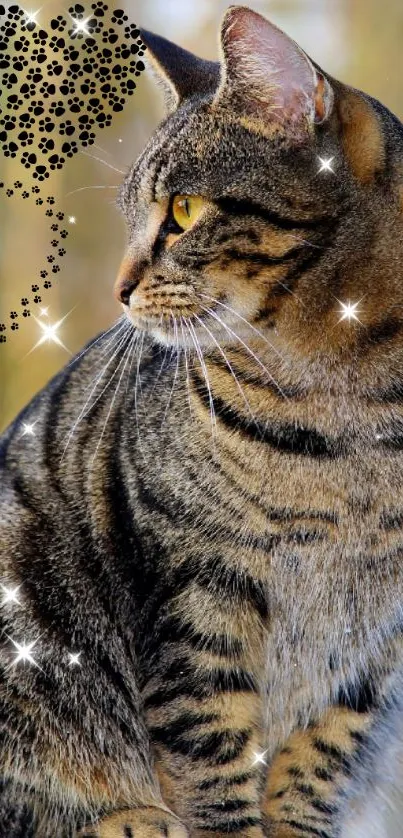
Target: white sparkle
column 326, row 164
column 23, row 652
column 81, row 26
column 44, row 312
column 259, row 758
column 31, row 16
column 349, row 311
column 72, row 219
column 10, row 594
column 74, row 656
column 120, row 141
column 28, row 429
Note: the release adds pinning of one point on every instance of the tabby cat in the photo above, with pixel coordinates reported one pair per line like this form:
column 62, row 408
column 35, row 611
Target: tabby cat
column 210, row 509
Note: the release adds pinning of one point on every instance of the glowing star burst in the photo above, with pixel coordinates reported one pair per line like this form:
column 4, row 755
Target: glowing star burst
column 326, row 164
column 30, row 17
column 49, row 333
column 28, row 429
column 10, row 594
column 72, row 219
column 259, row 758
column 43, row 312
column 23, row 652
column 74, row 658
column 81, row 26
column 349, row 311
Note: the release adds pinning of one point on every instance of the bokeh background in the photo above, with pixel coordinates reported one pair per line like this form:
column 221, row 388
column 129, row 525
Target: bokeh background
column 358, row 41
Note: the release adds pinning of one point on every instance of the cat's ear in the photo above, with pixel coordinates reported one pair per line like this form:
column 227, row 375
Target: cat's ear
column 180, row 73
column 267, row 76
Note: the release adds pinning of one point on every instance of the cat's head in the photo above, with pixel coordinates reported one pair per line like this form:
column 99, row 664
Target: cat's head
column 269, row 196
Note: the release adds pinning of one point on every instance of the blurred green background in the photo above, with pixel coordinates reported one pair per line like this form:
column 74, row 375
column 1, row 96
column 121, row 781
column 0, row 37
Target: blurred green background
column 358, row 41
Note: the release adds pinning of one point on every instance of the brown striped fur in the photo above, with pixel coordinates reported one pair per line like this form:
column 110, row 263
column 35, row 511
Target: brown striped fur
column 211, row 507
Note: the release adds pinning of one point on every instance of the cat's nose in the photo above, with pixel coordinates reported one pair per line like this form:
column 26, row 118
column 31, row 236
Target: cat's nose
column 130, row 273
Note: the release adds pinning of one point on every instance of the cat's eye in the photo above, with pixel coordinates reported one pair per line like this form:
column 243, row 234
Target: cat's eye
column 186, row 210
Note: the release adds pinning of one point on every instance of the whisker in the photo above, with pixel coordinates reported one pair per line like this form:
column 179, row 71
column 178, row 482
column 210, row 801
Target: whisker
column 109, row 165
column 83, row 413
column 248, row 349
column 136, row 386
column 206, row 378
column 133, row 347
column 176, row 370
column 187, row 367
column 76, row 358
column 125, row 357
column 254, row 329
column 81, row 189
column 228, row 363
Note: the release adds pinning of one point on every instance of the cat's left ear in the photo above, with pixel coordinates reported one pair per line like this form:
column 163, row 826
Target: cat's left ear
column 267, row 77
column 180, row 73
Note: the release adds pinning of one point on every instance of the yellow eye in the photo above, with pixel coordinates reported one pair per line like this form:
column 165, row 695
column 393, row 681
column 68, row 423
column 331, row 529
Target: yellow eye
column 186, row 209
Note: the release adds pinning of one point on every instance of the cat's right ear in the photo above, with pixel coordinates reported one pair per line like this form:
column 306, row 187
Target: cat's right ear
column 180, row 73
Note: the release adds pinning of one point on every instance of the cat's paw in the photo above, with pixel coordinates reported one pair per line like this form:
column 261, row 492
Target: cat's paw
column 142, row 822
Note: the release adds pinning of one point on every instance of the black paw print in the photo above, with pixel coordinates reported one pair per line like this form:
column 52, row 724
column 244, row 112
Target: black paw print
column 37, row 299
column 75, row 104
column 54, row 228
column 57, row 108
column 26, row 138
column 54, row 68
column 39, row 202
column 3, row 339
column 66, row 87
column 46, row 124
column 50, row 259
column 55, row 269
column 9, row 79
column 58, row 24
column 43, row 274
column 86, row 138
column 103, row 119
column 10, row 149
column 40, row 173
column 50, row 200
column 24, row 301
column 22, row 44
column 36, row 107
column 26, row 313
column 47, row 284
column 14, row 327
column 46, row 145
column 25, row 120
column 28, row 159
column 63, row 234
column 25, row 195
column 39, row 55
column 61, row 252
column 66, row 128
column 34, row 288
column 119, row 16
column 69, row 149
column 60, row 216
column 128, row 87
column 3, row 327
column 47, row 90
column 99, row 8
column 110, row 36
column 17, row 184
column 56, row 162
column 14, row 102
column 74, row 72
column 40, row 37
column 54, row 242
column 13, row 315
column 9, row 193
column 88, row 87
column 119, row 72
column 70, row 54
column 94, row 105
column 131, row 31
column 35, row 190
column 49, row 213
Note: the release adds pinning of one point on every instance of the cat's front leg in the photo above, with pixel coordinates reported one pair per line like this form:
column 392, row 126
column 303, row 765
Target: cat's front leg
column 309, row 776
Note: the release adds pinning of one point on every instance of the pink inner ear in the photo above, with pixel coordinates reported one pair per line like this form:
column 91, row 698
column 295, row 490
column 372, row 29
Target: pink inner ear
column 266, row 67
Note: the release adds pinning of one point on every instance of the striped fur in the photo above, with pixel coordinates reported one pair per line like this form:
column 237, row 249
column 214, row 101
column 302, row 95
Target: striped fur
column 210, row 509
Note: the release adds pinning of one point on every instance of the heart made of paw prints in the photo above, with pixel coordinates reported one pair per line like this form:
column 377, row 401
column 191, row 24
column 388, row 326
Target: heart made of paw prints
column 60, row 87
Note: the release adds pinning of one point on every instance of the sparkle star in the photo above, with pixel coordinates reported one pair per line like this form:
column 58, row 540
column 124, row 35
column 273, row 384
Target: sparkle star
column 43, row 312
column 23, row 652
column 260, row 758
column 72, row 219
column 31, row 16
column 28, row 429
column 81, row 26
column 74, row 658
column 349, row 311
column 10, row 594
column 326, row 164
